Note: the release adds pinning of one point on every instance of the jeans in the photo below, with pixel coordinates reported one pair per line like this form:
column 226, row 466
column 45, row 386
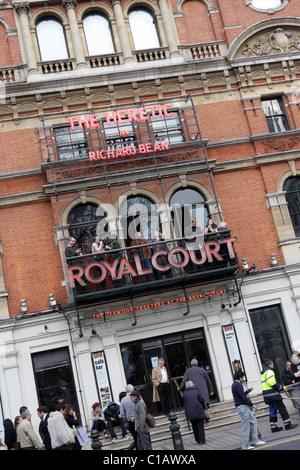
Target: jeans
column 249, row 426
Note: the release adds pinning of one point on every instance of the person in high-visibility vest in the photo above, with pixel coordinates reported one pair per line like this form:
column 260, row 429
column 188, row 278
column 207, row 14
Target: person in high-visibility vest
column 271, row 393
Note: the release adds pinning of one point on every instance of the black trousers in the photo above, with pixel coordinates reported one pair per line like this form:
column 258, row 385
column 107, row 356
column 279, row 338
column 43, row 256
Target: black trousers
column 163, row 393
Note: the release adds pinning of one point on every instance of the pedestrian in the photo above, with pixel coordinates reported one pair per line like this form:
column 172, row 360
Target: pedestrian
column 62, row 437
column 200, row 378
column 127, row 409
column 113, row 419
column 98, row 419
column 43, row 414
column 26, row 435
column 244, row 407
column 271, row 393
column 10, row 435
column 194, row 404
column 287, row 375
column 144, row 254
column 295, row 369
column 140, row 423
column 160, row 382
column 73, row 423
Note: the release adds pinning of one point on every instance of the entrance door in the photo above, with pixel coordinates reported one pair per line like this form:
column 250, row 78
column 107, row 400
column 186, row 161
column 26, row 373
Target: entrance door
column 178, row 350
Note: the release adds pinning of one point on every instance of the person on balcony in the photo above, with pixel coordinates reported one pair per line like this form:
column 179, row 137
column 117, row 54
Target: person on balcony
column 194, row 239
column 72, row 250
column 144, row 254
column 211, row 227
column 162, row 260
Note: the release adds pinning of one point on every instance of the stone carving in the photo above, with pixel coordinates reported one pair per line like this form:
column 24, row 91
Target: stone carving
column 278, row 41
column 281, row 145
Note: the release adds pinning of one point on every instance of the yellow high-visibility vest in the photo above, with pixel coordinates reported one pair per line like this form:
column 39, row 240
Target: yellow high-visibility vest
column 268, row 380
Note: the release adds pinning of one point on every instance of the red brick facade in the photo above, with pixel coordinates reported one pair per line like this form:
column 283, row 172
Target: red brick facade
column 229, row 113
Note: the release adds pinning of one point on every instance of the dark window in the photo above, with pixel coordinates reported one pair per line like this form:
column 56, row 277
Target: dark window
column 292, row 188
column 54, row 378
column 139, row 215
column 275, row 114
column 271, row 336
column 83, row 221
column 167, row 128
column 185, row 205
column 70, row 144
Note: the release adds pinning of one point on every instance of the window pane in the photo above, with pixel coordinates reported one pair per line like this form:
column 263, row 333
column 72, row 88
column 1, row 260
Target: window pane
column 292, row 186
column 190, row 204
column 167, row 128
column 265, row 4
column 271, row 337
column 70, row 144
column 143, row 30
column 275, row 115
column 121, row 135
column 54, row 378
column 56, row 48
column 98, row 35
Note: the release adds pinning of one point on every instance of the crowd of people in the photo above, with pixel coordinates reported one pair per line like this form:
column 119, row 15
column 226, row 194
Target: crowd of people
column 59, row 429
column 146, row 248
column 272, row 394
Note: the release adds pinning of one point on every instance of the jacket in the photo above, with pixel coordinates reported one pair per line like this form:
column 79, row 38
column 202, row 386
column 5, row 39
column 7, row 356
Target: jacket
column 109, row 413
column 200, row 379
column 27, row 436
column 60, row 432
column 270, row 387
column 239, row 395
column 156, row 379
column 193, row 403
column 140, row 413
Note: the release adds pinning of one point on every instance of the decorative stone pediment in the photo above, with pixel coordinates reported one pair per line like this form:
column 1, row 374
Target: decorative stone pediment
column 267, row 38
column 280, row 40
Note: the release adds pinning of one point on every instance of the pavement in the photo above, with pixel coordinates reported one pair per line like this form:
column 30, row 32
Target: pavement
column 229, row 437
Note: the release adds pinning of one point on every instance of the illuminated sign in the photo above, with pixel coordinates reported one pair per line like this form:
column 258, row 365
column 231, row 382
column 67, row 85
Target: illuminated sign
column 124, row 116
column 120, row 267
column 128, row 150
column 174, row 301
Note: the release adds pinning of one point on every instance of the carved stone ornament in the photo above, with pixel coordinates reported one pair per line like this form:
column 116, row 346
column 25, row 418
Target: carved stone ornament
column 278, row 41
column 281, row 145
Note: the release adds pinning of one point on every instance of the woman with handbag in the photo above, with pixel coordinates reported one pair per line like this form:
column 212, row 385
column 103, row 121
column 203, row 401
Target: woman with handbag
column 194, row 405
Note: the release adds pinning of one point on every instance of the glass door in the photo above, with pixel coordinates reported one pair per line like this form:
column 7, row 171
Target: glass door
column 178, row 350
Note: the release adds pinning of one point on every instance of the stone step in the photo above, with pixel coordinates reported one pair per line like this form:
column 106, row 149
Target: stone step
column 223, row 414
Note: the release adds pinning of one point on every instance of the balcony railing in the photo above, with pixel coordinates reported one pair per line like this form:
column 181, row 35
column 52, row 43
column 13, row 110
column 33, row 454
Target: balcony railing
column 203, row 51
column 121, row 272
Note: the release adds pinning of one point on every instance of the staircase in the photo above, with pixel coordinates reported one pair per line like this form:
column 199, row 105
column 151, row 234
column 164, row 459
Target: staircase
column 223, row 414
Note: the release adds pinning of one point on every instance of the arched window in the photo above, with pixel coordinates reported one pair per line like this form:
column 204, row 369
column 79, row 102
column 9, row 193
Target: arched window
column 265, row 4
column 98, row 34
column 186, row 204
column 143, row 29
column 51, row 40
column 138, row 215
column 83, row 220
column 292, row 188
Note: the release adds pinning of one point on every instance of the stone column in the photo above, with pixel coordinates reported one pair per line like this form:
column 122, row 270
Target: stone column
column 121, row 25
column 167, row 19
column 70, row 6
column 23, row 9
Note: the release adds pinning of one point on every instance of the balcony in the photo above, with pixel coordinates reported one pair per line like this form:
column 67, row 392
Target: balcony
column 134, row 270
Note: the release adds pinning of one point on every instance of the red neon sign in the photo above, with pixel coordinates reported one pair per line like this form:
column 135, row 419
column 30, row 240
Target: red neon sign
column 123, row 116
column 209, row 251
